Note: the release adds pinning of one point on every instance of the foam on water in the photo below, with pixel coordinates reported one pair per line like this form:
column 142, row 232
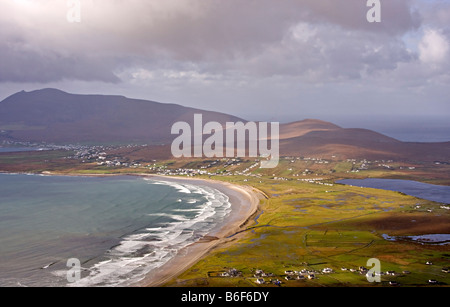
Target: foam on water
column 150, row 248
column 121, row 228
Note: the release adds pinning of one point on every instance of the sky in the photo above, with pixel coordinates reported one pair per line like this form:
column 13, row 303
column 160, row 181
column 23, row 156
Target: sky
column 267, row 60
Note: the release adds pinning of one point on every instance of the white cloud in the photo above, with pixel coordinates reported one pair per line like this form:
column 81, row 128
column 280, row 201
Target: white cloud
column 434, row 47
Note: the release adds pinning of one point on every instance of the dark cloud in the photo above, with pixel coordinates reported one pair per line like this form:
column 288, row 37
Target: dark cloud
column 215, row 35
column 20, row 64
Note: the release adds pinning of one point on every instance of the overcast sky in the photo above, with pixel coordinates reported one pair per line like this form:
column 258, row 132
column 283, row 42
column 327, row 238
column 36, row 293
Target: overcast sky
column 282, row 60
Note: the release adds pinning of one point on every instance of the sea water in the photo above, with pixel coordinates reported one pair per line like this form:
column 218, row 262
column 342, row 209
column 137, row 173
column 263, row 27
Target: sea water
column 119, row 228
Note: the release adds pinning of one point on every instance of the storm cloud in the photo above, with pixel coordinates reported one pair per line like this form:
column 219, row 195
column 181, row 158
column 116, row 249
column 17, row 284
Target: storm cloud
column 257, row 37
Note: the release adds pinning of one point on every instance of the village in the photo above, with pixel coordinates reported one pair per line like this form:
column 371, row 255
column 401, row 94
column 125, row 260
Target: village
column 261, row 277
column 310, row 169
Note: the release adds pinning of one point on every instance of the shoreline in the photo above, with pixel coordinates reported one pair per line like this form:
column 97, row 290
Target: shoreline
column 244, row 207
column 245, row 204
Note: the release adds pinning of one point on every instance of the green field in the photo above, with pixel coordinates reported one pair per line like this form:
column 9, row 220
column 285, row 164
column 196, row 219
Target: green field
column 306, row 226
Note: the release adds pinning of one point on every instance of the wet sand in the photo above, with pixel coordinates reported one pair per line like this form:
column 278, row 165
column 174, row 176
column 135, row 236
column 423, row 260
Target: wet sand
column 244, row 201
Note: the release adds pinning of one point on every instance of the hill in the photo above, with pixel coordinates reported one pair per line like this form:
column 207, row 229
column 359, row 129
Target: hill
column 54, row 116
column 321, row 141
column 300, row 128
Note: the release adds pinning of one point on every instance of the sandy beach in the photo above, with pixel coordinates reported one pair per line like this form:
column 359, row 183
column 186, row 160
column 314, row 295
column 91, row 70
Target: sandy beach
column 244, row 200
column 244, row 208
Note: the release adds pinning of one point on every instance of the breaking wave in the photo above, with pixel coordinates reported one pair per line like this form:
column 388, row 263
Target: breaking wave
column 197, row 214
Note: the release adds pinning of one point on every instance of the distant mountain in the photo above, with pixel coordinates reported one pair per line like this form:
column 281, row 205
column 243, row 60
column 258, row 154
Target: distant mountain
column 54, row 116
column 322, row 139
column 319, row 139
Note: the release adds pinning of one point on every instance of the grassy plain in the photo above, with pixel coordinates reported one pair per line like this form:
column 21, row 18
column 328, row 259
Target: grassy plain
column 312, row 227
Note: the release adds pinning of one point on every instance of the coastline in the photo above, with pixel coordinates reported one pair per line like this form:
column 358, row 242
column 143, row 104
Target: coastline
column 244, row 207
column 245, row 203
column 388, row 210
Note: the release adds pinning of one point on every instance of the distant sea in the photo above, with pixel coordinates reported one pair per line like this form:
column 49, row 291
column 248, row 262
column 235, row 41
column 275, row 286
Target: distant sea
column 120, row 228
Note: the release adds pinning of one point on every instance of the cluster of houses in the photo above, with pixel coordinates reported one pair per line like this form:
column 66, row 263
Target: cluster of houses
column 210, row 164
column 315, row 160
column 418, row 207
column 45, row 146
column 357, row 165
column 281, row 178
column 188, row 172
column 316, row 181
column 364, row 271
column 99, row 155
column 261, row 275
column 303, row 274
column 231, row 273
column 441, row 162
column 203, row 170
column 89, row 153
column 264, row 278
column 248, row 169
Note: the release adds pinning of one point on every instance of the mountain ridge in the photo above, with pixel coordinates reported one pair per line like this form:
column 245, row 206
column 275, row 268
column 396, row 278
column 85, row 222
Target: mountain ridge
column 51, row 115
column 54, row 116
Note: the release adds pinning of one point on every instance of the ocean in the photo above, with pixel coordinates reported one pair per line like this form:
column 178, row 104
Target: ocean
column 119, row 228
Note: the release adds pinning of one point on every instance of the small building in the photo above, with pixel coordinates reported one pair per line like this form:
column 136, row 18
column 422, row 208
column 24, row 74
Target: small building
column 393, row 283
column 289, row 277
column 276, row 282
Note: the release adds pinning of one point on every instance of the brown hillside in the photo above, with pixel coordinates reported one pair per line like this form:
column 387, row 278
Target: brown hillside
column 361, row 143
column 54, row 116
column 303, row 127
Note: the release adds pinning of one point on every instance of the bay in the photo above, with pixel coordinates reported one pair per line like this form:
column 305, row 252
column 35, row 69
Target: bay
column 119, row 228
